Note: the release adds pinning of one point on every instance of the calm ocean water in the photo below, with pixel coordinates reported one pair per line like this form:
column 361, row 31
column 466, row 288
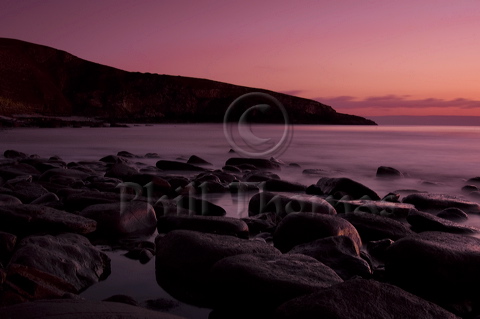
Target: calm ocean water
column 445, row 156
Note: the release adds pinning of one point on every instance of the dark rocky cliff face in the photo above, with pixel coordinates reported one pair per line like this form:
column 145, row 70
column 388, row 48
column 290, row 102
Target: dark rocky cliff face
column 42, row 80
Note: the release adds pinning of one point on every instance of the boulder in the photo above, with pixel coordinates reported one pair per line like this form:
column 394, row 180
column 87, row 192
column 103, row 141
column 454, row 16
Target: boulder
column 79, row 309
column 256, row 176
column 375, row 227
column 388, row 172
column 337, row 252
column 121, row 171
column 258, row 225
column 70, row 173
column 121, row 219
column 127, row 154
column 14, row 170
column 275, row 185
column 377, row 248
column 421, row 222
column 438, row 266
column 266, row 281
column 362, row 299
column 43, row 165
column 9, row 200
column 195, row 160
column 258, row 163
column 453, row 214
column 77, row 201
column 177, row 166
column 204, row 224
column 200, row 206
column 14, row 154
column 184, row 259
column 27, row 192
column 299, row 228
column 345, row 186
column 69, row 257
column 7, row 244
column 282, row 205
column 23, row 283
column 438, row 202
column 28, row 219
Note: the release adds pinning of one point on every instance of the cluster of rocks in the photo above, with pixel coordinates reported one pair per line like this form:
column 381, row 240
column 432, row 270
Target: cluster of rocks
column 335, row 249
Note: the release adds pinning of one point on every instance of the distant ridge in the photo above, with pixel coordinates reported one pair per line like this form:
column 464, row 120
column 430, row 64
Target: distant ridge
column 442, row 120
column 35, row 79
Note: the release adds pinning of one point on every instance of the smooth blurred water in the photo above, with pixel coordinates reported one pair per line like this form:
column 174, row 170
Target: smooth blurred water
column 446, row 156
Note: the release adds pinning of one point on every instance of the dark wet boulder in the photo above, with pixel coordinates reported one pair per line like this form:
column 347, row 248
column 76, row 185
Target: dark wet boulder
column 377, row 248
column 258, row 225
column 152, row 155
column 469, row 188
column 314, row 190
column 78, row 201
column 113, row 159
column 27, row 192
column 361, row 299
column 474, row 180
column 388, row 172
column 266, row 281
column 382, row 208
column 438, row 266
column 184, row 259
column 28, row 219
column 225, row 177
column 258, row 163
column 438, row 202
column 337, row 252
column 453, row 214
column 204, row 224
column 73, row 174
column 18, row 169
column 300, row 228
column 7, row 244
column 14, row 154
column 24, row 283
column 231, row 169
column 195, row 160
column 421, row 222
column 76, row 309
column 177, row 166
column 127, row 154
column 121, row 219
column 346, row 186
column 257, row 176
column 121, row 171
column 275, row 185
column 43, row 165
column 200, row 206
column 282, row 205
column 9, row 200
column 46, row 199
column 375, row 227
column 68, row 256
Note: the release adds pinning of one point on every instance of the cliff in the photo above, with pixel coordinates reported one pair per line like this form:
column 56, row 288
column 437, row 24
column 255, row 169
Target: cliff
column 36, row 79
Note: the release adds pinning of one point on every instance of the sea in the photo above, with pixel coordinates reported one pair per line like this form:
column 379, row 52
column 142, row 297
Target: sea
column 437, row 159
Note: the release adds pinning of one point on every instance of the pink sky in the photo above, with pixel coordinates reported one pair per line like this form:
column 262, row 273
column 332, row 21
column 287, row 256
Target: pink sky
column 361, row 57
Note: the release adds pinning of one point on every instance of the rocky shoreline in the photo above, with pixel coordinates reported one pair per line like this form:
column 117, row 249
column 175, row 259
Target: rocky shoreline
column 334, row 249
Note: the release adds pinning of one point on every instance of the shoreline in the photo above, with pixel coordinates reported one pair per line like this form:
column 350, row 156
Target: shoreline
column 85, row 196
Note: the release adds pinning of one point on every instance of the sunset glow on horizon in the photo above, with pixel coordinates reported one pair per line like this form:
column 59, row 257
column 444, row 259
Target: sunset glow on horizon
column 367, row 58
